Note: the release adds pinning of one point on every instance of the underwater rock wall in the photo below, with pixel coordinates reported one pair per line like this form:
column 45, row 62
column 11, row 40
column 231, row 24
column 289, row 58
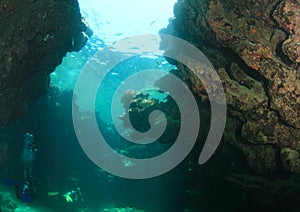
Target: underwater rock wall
column 255, row 46
column 35, row 36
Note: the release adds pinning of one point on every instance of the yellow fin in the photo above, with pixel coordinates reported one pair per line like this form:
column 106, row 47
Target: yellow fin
column 69, row 198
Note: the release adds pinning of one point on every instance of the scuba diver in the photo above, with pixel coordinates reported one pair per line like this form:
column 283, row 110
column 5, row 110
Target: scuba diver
column 25, row 196
column 73, row 196
column 28, row 155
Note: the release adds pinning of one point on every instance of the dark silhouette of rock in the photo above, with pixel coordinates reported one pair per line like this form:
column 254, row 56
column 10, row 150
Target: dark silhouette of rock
column 254, row 45
column 35, row 36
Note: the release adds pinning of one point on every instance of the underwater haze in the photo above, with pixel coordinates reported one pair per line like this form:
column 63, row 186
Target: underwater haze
column 110, row 136
column 62, row 178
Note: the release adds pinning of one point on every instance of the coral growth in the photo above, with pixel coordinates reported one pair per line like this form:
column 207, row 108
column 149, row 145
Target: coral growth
column 140, row 106
column 287, row 14
column 254, row 45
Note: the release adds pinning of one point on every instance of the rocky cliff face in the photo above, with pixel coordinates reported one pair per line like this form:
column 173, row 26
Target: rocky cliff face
column 35, row 36
column 255, row 46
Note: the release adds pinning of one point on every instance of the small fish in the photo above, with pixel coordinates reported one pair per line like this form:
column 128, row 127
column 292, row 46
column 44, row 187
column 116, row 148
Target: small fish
column 73, row 179
column 153, row 22
column 53, row 193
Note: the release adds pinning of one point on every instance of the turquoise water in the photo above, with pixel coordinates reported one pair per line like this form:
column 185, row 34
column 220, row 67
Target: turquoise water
column 61, row 166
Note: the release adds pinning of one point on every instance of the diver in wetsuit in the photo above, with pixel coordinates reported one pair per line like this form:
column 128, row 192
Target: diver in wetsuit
column 28, row 157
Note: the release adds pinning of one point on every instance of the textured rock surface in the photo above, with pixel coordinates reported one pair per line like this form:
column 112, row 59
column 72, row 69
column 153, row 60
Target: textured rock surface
column 35, row 36
column 254, row 45
column 3, row 153
column 140, row 108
